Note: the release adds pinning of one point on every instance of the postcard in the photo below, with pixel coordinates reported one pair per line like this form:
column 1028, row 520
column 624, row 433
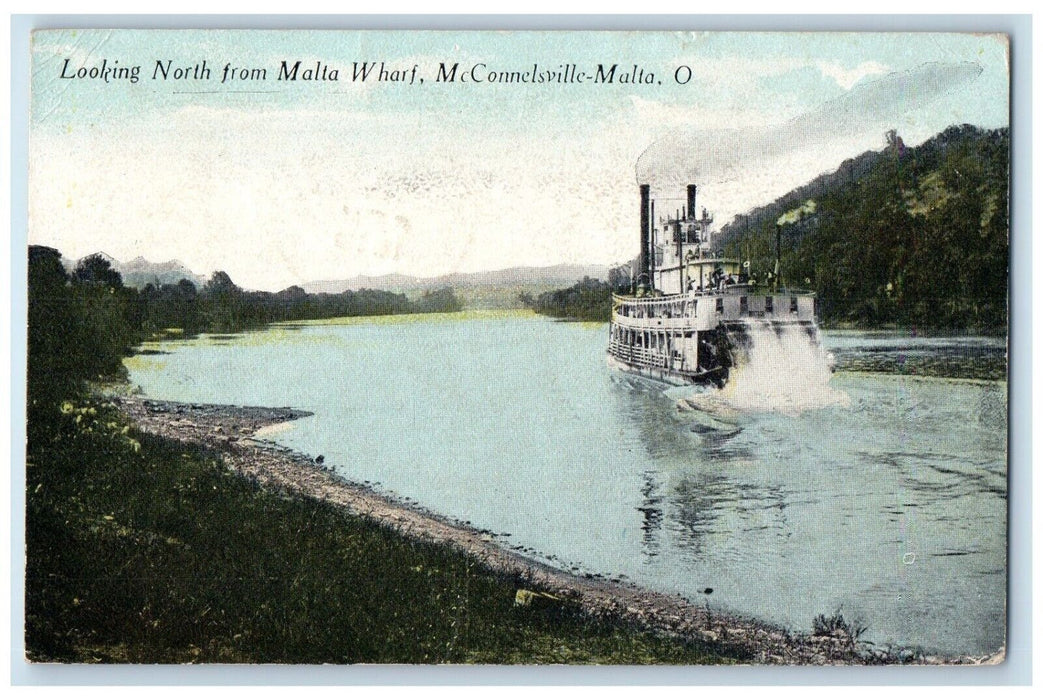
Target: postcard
column 525, row 347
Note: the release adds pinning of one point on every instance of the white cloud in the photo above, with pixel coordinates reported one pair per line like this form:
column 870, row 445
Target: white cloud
column 848, row 78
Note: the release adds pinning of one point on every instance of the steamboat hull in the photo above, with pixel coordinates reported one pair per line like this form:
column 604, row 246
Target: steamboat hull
column 698, row 338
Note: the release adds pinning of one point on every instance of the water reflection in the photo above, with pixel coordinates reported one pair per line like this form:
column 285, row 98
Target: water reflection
column 715, row 512
column 702, row 490
column 652, row 512
column 699, row 502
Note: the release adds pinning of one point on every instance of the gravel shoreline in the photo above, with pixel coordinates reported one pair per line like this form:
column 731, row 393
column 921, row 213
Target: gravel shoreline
column 232, row 430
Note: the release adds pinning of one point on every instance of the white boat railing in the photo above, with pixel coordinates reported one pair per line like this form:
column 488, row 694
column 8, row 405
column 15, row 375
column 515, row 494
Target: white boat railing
column 727, row 290
column 652, row 359
column 637, row 355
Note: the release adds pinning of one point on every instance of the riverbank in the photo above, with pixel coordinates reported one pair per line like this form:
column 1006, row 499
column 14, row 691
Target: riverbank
column 150, row 549
column 234, row 433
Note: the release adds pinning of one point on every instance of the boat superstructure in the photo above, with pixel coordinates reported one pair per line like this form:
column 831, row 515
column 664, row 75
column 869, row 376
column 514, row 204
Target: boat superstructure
column 688, row 317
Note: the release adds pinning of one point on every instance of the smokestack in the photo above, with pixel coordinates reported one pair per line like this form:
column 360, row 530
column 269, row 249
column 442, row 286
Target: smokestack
column 651, row 243
column 778, row 253
column 677, row 236
column 642, row 266
column 691, row 201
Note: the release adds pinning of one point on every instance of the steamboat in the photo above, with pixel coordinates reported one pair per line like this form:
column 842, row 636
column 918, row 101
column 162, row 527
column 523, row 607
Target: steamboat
column 689, row 316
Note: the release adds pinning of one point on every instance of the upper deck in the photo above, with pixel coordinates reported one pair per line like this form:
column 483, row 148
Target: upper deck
column 684, row 281
column 705, row 310
column 678, row 252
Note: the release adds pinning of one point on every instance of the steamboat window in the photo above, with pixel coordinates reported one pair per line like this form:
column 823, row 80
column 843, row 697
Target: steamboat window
column 744, row 305
column 793, row 305
column 769, row 304
column 720, row 305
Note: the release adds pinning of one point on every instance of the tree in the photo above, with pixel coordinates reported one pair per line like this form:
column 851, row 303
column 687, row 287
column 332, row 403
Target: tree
column 220, row 283
column 96, row 269
column 222, row 303
column 54, row 334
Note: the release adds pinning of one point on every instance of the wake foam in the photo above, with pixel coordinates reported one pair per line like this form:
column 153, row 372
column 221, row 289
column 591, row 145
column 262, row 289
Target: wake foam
column 781, row 369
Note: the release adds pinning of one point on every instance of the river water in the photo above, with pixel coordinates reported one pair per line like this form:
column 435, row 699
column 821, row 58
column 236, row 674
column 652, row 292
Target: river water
column 885, row 497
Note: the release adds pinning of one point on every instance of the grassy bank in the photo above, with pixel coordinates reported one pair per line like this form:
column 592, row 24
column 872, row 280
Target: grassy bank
column 145, row 549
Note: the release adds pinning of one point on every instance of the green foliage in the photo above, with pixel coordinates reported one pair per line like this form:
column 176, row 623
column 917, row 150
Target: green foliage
column 79, row 329
column 912, row 237
column 146, row 550
column 54, row 328
column 222, row 306
column 915, row 237
column 171, row 306
column 97, row 270
column 438, row 301
column 587, row 300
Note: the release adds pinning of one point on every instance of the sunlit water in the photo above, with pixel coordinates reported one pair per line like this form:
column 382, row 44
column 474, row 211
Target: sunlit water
column 886, row 498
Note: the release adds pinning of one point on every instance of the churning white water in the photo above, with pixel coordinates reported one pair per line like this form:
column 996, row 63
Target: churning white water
column 779, row 368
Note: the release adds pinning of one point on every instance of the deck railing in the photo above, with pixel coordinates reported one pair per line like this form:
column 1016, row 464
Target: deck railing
column 729, row 290
column 639, row 356
column 643, row 357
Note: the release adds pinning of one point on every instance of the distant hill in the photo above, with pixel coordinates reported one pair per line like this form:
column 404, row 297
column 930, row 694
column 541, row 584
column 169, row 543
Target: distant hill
column 139, row 272
column 554, row 275
column 494, row 289
column 392, row 282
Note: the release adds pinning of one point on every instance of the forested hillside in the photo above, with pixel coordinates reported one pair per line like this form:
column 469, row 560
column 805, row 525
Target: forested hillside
column 914, row 237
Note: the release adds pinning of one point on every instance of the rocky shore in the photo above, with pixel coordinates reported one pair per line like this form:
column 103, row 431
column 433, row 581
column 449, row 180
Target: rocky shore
column 232, row 430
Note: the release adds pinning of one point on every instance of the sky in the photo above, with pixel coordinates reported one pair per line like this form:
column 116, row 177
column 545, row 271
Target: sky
column 283, row 182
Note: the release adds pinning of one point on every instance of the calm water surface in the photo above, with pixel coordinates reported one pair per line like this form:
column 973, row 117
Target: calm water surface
column 889, row 505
